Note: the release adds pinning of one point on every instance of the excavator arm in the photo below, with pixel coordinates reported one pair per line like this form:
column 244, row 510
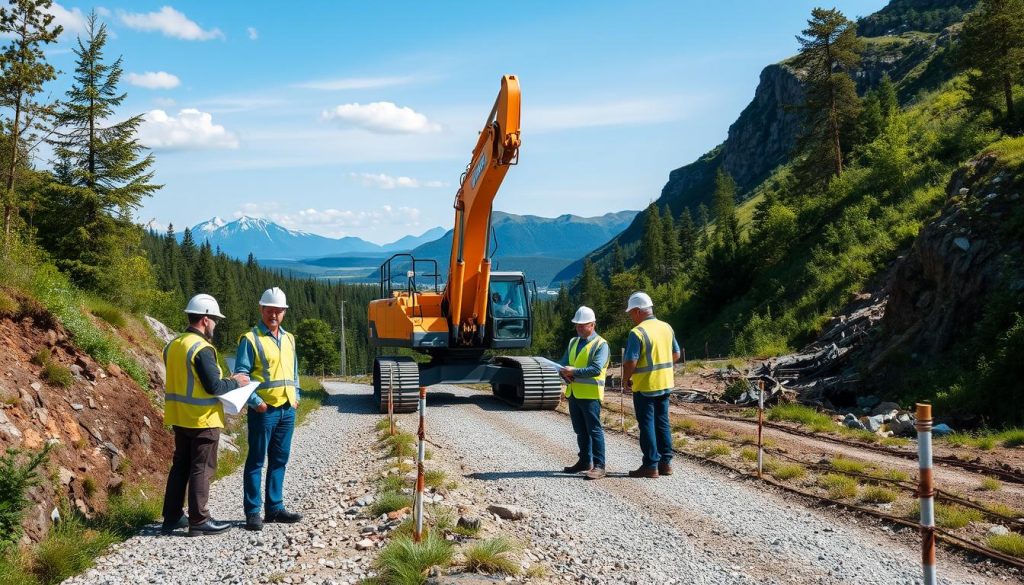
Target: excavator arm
column 496, row 150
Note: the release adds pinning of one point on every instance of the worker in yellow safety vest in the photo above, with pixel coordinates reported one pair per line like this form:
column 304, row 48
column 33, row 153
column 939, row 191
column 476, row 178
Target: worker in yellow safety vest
column 191, row 408
column 647, row 368
column 585, row 364
column 267, row 354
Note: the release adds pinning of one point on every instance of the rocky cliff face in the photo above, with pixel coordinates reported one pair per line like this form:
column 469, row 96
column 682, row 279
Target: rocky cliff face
column 104, row 428
column 939, row 289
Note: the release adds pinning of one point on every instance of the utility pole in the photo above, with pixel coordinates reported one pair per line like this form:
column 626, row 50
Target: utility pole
column 343, row 338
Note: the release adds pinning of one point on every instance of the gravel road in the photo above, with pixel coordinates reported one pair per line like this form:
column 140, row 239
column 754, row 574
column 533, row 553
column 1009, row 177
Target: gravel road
column 697, row 526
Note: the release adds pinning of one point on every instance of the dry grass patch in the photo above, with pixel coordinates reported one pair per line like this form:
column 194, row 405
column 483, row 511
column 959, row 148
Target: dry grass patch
column 844, row 465
column 786, row 471
column 713, row 451
column 838, row 486
column 495, row 555
column 1011, row 544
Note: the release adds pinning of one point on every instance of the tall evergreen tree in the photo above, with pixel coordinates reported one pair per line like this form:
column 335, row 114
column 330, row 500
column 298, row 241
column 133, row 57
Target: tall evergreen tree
column 829, row 49
column 887, row 98
column 618, row 260
column 23, row 72
column 687, row 237
column 652, row 253
column 591, row 288
column 703, row 221
column 991, row 49
column 673, row 251
column 727, row 224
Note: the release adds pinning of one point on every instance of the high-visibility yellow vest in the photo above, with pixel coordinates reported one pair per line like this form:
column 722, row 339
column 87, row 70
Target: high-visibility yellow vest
column 186, row 402
column 274, row 367
column 653, row 371
column 586, row 388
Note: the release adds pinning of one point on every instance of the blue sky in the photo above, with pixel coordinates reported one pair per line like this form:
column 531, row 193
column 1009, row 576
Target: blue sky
column 346, row 118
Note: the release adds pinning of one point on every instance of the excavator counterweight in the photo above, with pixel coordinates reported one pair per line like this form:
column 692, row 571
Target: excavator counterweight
column 477, row 309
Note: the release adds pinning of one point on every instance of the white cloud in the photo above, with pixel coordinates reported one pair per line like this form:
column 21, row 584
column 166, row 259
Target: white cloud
column 190, row 130
column 72, row 20
column 382, row 181
column 349, row 83
column 382, row 117
column 333, row 222
column 171, row 23
column 615, row 113
column 165, row 102
column 253, row 33
column 104, row 12
column 154, row 80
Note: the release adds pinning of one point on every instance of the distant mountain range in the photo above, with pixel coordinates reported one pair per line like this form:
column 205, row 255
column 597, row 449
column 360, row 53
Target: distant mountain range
column 540, row 246
column 267, row 240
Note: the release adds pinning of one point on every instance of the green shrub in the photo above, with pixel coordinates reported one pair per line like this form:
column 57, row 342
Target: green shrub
column 58, row 375
column 434, row 478
column 68, row 549
column 404, row 562
column 89, row 486
column 1011, row 544
column 877, row 495
column 107, row 312
column 14, row 572
column 787, row 471
column 990, row 484
column 9, row 307
column 495, row 555
column 845, row 465
column 389, row 502
column 392, row 483
column 18, row 473
column 400, row 444
column 42, row 357
column 1012, row 438
column 838, row 486
column 748, row 454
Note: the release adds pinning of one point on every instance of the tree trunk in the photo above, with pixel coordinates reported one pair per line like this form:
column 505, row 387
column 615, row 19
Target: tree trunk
column 1008, row 94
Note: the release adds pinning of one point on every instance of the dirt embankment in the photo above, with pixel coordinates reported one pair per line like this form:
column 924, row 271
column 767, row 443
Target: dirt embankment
column 105, row 430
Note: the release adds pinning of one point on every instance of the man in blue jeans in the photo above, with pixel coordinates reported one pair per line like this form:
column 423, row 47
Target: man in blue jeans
column 267, row 354
column 585, row 365
column 651, row 350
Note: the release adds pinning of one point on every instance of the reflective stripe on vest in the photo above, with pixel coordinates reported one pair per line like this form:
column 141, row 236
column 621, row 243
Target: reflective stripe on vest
column 186, row 402
column 586, row 388
column 274, row 368
column 653, row 371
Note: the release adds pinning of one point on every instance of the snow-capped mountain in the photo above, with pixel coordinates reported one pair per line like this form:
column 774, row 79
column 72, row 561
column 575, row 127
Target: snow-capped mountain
column 267, row 240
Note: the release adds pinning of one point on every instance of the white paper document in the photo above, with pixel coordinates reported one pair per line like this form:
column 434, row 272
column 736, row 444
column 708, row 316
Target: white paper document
column 235, row 400
column 548, row 363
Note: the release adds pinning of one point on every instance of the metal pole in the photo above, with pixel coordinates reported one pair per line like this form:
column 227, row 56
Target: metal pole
column 391, row 400
column 926, row 491
column 760, row 426
column 622, row 390
column 417, row 534
column 343, row 368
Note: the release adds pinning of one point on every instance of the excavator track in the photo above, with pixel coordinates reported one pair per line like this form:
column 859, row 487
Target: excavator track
column 539, row 388
column 405, row 390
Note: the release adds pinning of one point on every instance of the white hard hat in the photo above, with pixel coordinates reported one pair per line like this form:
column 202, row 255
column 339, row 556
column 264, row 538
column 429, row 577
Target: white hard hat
column 274, row 297
column 639, row 300
column 203, row 304
column 584, row 315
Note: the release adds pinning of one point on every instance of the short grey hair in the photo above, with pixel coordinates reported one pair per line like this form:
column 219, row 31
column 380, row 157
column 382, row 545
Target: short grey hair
column 646, row 311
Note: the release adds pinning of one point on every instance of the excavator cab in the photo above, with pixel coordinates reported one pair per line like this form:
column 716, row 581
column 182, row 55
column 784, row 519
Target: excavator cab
column 509, row 314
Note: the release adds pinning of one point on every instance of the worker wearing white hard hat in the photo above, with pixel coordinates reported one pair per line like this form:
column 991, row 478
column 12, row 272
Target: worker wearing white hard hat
column 647, row 369
column 192, row 409
column 585, row 364
column 267, row 353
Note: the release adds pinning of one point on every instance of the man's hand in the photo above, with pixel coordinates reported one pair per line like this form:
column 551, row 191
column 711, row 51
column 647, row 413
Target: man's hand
column 628, row 383
column 261, row 408
column 568, row 374
column 241, row 378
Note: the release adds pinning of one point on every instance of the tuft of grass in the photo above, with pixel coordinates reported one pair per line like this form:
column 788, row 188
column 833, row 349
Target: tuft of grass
column 787, row 471
column 392, row 483
column 400, row 444
column 8, row 305
column 747, row 413
column 878, row 495
column 718, row 435
column 68, row 549
column 1003, row 510
column 434, row 478
column 536, row 572
column 495, row 555
column 130, row 510
column 803, row 415
column 107, row 312
column 1012, row 438
column 679, row 442
column 1011, row 544
column 748, row 454
column 383, row 426
column 990, row 484
column 713, row 451
column 893, row 474
column 389, row 502
column 89, row 486
column 684, row 425
column 58, row 375
column 404, row 562
column 950, row 516
column 838, row 486
column 42, row 357
column 844, row 465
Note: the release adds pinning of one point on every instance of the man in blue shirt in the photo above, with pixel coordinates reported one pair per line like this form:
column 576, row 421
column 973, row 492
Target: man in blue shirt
column 585, row 363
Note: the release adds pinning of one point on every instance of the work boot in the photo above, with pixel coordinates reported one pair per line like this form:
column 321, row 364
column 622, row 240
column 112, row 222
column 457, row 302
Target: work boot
column 664, row 469
column 580, row 466
column 595, row 473
column 283, row 516
column 211, row 526
column 648, row 472
column 253, row 522
column 168, row 528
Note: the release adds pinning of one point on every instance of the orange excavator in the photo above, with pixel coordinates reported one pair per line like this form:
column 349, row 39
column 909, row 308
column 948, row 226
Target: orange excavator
column 477, row 310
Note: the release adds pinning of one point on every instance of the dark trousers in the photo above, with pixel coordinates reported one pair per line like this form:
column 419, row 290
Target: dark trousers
column 193, row 466
column 655, row 430
column 586, row 422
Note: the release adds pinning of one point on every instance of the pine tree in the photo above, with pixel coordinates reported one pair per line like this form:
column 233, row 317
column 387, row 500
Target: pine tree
column 727, row 224
column 618, row 261
column 991, row 50
column 687, row 237
column 887, row 98
column 23, row 72
column 829, row 49
column 703, row 221
column 872, row 119
column 652, row 254
column 673, row 251
column 591, row 288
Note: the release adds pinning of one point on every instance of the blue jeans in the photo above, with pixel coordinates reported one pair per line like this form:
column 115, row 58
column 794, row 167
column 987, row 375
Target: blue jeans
column 655, row 430
column 270, row 439
column 586, row 422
